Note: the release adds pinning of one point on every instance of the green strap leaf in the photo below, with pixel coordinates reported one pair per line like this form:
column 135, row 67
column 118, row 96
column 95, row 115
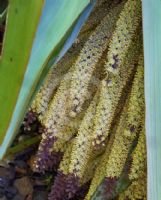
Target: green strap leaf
column 152, row 52
column 22, row 20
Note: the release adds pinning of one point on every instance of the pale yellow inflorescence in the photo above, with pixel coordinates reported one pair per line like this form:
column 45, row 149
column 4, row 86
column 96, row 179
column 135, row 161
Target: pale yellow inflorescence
column 57, row 72
column 100, row 170
column 129, row 19
column 90, row 169
column 47, row 90
column 126, row 27
column 55, row 116
column 139, row 157
column 94, row 122
column 113, row 160
column 80, row 152
column 81, row 165
column 83, row 151
column 51, row 106
column 88, row 59
column 101, row 8
column 56, row 120
column 111, row 91
column 65, row 135
column 125, row 137
column 64, row 164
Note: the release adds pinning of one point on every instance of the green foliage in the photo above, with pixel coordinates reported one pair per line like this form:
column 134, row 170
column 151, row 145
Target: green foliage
column 152, row 49
column 15, row 55
column 27, row 52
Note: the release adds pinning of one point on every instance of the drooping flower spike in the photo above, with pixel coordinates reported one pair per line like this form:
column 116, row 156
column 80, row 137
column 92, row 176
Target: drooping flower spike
column 126, row 132
column 117, row 68
column 89, row 57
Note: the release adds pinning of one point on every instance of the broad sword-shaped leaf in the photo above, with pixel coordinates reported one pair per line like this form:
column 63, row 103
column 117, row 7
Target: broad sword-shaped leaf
column 152, row 52
column 22, row 21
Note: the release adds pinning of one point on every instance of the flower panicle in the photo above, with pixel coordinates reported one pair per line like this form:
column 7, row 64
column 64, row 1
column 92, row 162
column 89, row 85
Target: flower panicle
column 88, row 59
column 111, row 92
column 113, row 161
column 132, row 122
column 100, row 170
column 139, row 158
column 52, row 120
column 126, row 26
column 55, row 75
column 81, row 147
column 47, row 90
column 64, row 164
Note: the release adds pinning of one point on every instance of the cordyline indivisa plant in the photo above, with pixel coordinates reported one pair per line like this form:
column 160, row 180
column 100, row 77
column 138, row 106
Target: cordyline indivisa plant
column 82, row 85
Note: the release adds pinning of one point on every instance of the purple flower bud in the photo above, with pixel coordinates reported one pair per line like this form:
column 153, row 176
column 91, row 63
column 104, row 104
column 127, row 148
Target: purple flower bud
column 58, row 189
column 67, row 187
column 45, row 158
column 72, row 185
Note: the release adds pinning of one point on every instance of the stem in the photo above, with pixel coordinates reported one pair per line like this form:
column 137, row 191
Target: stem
column 22, row 146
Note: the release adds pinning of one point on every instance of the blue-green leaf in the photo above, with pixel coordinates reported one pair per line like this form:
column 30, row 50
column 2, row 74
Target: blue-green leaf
column 152, row 52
